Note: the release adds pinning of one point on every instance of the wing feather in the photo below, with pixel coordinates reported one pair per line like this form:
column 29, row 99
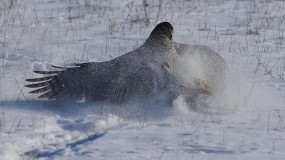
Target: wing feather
column 40, row 79
column 41, row 90
column 37, row 85
column 69, row 83
column 46, row 95
column 48, row 72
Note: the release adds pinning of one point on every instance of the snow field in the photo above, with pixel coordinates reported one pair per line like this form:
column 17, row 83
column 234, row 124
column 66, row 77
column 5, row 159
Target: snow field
column 247, row 121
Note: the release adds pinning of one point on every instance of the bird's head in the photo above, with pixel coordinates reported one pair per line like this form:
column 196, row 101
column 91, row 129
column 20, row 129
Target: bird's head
column 163, row 29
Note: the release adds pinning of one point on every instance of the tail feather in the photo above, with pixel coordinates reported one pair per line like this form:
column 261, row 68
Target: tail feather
column 48, row 72
column 65, row 68
column 40, row 79
column 46, row 95
column 36, row 85
column 41, row 90
column 60, row 67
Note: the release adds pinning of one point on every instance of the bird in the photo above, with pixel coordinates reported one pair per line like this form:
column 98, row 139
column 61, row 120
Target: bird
column 155, row 69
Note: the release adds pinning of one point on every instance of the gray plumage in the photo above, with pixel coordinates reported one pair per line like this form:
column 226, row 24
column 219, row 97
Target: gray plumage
column 148, row 71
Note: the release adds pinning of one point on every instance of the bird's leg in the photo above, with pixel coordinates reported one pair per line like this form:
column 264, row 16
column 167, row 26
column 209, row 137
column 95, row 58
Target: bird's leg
column 202, row 86
column 186, row 86
column 199, row 85
column 167, row 66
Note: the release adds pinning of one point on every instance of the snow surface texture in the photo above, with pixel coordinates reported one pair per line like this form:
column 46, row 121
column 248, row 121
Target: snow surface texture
column 247, row 121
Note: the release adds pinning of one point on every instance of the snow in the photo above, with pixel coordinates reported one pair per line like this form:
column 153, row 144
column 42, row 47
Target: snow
column 247, row 121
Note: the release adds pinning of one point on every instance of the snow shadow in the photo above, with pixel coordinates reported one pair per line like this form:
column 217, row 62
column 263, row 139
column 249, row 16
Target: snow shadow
column 73, row 146
column 208, row 149
column 64, row 109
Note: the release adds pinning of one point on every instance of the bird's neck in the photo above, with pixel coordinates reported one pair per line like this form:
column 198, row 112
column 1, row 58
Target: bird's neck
column 158, row 42
column 162, row 48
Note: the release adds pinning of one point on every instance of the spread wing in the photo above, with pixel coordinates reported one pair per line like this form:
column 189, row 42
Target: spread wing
column 99, row 81
column 64, row 83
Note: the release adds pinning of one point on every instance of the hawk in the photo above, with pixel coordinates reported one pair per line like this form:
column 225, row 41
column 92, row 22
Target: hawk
column 155, row 69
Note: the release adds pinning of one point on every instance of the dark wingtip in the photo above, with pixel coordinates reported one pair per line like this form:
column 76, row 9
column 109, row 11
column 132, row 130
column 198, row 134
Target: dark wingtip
column 47, row 72
column 29, row 86
column 40, row 79
column 46, row 95
column 36, row 85
column 29, row 80
column 41, row 90
column 60, row 67
column 32, row 80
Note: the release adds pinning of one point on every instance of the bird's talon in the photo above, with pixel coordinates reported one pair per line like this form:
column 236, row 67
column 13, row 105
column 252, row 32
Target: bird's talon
column 167, row 66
